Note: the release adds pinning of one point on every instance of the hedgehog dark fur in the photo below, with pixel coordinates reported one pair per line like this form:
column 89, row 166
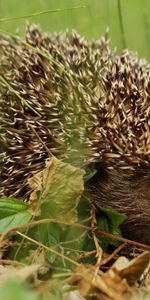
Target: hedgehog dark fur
column 87, row 105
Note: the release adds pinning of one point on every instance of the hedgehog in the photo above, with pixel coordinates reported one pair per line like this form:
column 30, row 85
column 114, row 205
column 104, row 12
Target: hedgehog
column 64, row 95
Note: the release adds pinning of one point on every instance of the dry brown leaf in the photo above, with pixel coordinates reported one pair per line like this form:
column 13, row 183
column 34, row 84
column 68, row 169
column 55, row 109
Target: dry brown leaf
column 61, row 186
column 135, row 268
column 112, row 284
column 109, row 284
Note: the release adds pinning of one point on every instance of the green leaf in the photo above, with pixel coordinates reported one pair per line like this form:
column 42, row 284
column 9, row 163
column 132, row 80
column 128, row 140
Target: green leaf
column 14, row 220
column 49, row 235
column 13, row 212
column 57, row 191
column 13, row 291
column 11, row 206
column 114, row 216
column 89, row 174
column 109, row 220
column 104, row 224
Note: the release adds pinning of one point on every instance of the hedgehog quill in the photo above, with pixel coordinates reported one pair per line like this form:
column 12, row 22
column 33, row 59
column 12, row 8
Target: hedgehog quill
column 85, row 104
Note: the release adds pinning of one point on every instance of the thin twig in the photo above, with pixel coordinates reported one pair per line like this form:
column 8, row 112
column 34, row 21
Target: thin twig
column 111, row 256
column 43, row 221
column 11, row 262
column 47, row 248
column 77, row 225
column 99, row 251
column 121, row 239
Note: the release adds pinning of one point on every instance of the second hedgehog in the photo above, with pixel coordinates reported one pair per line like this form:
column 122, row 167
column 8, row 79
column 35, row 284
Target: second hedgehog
column 88, row 106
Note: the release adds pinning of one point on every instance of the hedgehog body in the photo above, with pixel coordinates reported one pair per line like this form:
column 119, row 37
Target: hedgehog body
column 85, row 104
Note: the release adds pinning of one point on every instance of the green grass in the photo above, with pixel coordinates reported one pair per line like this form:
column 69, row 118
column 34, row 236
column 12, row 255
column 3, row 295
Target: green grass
column 91, row 21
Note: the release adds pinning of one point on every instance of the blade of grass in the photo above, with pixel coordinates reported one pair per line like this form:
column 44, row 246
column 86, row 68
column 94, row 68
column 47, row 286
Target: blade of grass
column 146, row 24
column 36, row 50
column 36, row 14
column 121, row 24
column 11, row 89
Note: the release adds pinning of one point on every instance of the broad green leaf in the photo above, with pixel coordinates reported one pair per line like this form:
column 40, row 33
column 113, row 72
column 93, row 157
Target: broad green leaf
column 114, row 216
column 11, row 206
column 16, row 219
column 49, row 235
column 109, row 220
column 103, row 224
column 13, row 291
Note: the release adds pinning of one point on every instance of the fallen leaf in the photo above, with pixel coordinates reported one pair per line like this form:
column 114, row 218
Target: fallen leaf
column 60, row 187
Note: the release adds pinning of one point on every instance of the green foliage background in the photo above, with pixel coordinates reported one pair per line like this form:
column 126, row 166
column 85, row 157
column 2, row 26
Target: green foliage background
column 91, row 21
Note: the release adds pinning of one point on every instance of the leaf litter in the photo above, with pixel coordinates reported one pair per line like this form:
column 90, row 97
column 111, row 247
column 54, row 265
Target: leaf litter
column 56, row 252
